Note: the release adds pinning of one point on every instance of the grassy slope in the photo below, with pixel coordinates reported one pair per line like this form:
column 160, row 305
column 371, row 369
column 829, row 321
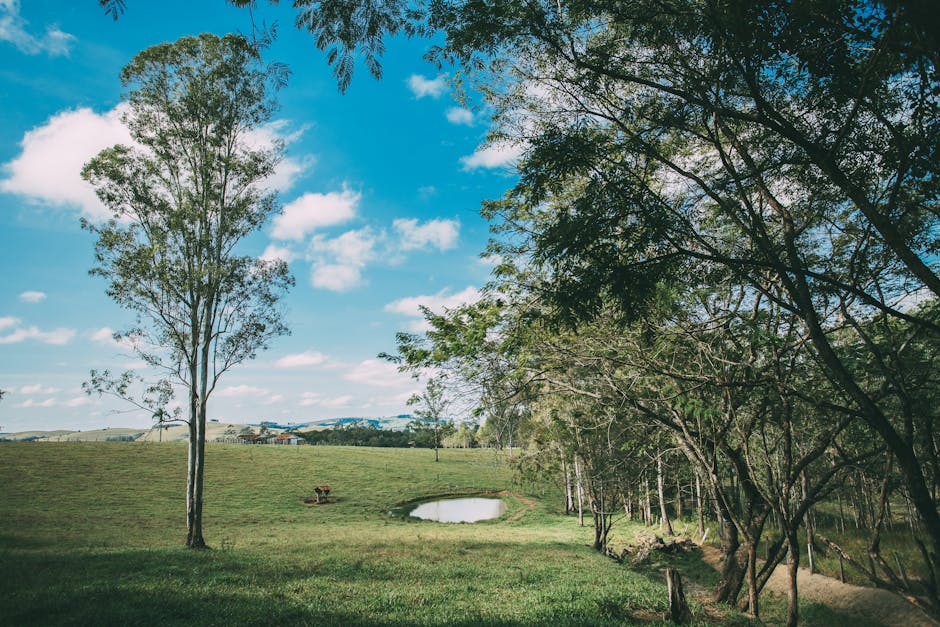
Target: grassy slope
column 91, row 533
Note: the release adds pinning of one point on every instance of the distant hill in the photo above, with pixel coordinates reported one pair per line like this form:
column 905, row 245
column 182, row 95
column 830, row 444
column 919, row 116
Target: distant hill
column 214, row 430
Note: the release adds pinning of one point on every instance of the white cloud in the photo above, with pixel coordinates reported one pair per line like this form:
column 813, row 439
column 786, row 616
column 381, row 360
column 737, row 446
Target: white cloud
column 234, row 391
column 49, row 402
column 459, row 115
column 437, row 303
column 274, row 252
column 353, row 248
column 274, row 399
column 20, row 333
column 433, row 87
column 378, row 373
column 437, row 233
column 312, row 211
column 13, row 29
column 289, row 168
column 38, row 389
column 49, row 166
column 105, row 335
column 300, row 360
column 411, row 306
column 495, row 155
column 314, row 399
column 338, row 262
column 77, row 401
column 32, row 297
column 335, row 277
column 396, row 400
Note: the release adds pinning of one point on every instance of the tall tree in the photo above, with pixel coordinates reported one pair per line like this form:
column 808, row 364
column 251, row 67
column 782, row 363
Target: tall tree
column 182, row 198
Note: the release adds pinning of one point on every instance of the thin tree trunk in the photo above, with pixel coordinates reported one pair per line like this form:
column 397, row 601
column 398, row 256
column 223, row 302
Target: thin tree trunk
column 577, row 473
column 664, row 523
column 568, row 497
column 698, row 504
column 678, row 499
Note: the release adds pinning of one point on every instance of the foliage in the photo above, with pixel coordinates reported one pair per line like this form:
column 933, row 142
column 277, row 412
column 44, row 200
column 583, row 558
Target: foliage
column 182, row 198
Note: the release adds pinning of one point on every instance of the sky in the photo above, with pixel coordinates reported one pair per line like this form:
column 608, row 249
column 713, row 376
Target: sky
column 380, row 188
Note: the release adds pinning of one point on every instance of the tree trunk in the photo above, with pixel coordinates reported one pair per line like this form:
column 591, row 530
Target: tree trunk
column 793, row 564
column 648, row 505
column 577, row 474
column 753, row 592
column 664, row 523
column 732, row 573
column 700, row 513
column 568, row 497
column 678, row 499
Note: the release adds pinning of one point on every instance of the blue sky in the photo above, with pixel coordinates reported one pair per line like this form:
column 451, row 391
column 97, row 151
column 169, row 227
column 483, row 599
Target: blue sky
column 381, row 190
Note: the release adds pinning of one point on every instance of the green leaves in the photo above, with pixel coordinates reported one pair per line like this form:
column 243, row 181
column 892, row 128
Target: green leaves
column 182, row 199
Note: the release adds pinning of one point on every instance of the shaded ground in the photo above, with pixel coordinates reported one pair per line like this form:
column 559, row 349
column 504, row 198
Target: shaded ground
column 873, row 604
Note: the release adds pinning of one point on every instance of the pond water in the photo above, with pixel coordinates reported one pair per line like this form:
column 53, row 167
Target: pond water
column 460, row 510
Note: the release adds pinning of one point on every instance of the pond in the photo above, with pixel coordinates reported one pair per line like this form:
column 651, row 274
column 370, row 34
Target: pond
column 460, row 510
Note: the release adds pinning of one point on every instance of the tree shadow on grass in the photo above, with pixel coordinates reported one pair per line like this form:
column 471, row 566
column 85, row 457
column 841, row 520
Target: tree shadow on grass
column 173, row 586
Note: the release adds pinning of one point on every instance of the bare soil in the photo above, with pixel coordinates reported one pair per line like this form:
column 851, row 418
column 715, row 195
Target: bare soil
column 872, row 603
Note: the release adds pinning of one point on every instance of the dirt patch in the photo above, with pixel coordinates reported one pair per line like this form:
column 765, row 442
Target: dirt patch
column 874, row 604
column 529, row 504
column 324, row 500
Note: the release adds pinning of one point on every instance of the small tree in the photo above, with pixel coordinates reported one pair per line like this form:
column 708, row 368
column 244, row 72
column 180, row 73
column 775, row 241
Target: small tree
column 182, row 199
column 432, row 404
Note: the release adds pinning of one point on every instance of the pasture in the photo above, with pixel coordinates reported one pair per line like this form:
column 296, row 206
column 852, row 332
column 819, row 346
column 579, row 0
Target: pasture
column 92, row 533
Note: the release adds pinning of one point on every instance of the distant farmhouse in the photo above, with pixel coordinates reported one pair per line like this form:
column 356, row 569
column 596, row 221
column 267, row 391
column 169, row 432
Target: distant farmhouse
column 280, row 438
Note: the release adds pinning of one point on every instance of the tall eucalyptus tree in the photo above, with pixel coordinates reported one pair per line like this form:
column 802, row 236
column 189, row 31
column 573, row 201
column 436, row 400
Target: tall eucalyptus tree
column 183, row 197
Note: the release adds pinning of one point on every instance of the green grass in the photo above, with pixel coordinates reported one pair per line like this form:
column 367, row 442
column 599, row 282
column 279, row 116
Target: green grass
column 92, row 533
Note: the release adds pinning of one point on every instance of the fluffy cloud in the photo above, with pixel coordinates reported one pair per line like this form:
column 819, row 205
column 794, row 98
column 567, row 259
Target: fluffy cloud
column 312, row 211
column 411, row 306
column 289, row 168
column 237, row 391
column 338, row 262
column 433, row 87
column 300, row 360
column 19, row 333
column 274, row 252
column 378, row 373
column 459, row 115
column 440, row 234
column 49, row 166
column 495, row 155
column 335, row 277
column 32, row 297
column 13, row 29
column 105, row 335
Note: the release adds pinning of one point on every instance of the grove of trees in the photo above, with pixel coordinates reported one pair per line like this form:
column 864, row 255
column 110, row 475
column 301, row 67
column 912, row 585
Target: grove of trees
column 722, row 244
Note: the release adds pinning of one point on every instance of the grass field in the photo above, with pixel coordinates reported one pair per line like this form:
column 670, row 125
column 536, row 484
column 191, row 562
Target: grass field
column 92, row 533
